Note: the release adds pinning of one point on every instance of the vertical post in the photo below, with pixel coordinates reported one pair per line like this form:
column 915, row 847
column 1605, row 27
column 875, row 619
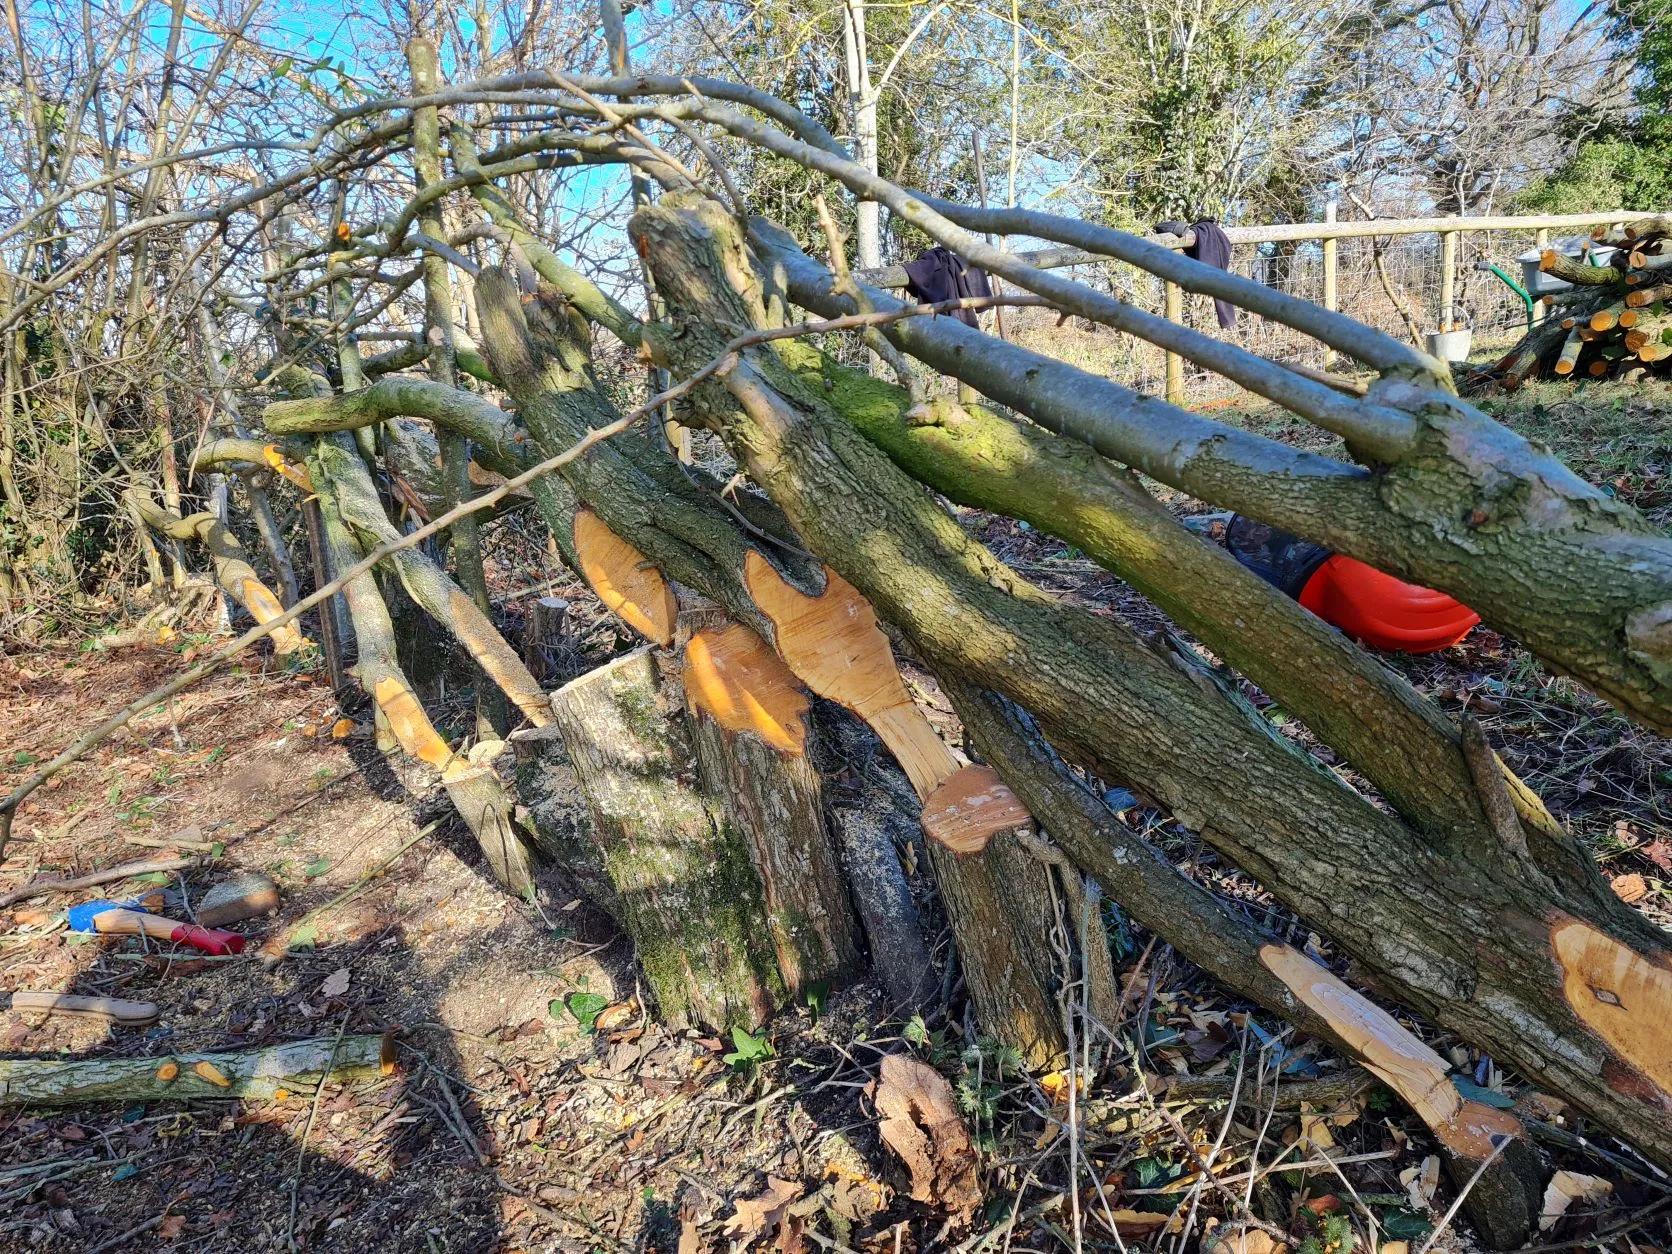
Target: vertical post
column 1541, row 241
column 1448, row 277
column 1331, row 301
column 1175, row 363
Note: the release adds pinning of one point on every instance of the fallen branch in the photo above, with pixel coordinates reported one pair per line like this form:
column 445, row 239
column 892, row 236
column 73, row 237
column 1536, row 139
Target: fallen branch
column 127, row 870
column 293, row 1067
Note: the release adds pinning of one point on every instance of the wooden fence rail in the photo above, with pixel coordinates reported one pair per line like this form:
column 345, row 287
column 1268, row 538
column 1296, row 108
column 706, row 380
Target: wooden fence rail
column 1449, row 230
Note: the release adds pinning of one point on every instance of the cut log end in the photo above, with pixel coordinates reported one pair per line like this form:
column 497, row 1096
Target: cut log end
column 833, row 645
column 411, row 727
column 734, row 677
column 969, row 808
column 1621, row 996
column 625, row 580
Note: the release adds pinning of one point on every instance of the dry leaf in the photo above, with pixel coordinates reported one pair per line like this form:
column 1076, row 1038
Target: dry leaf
column 336, row 984
column 690, row 1240
column 1630, row 888
column 171, row 1227
column 921, row 1124
column 757, row 1217
column 615, row 1015
column 1314, row 1129
column 1134, row 1225
column 1242, row 1241
column 1056, row 1084
column 1566, row 1188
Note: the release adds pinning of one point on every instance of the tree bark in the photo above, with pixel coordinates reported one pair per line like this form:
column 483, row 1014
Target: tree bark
column 1504, row 949
column 688, row 895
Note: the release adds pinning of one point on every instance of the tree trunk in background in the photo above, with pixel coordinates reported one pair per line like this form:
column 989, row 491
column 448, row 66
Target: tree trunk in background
column 862, row 103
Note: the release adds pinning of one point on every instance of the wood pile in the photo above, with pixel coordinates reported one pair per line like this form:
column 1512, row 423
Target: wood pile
column 1616, row 319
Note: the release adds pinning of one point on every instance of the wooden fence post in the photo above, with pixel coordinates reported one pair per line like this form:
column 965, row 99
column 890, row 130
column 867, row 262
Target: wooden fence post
column 1448, row 277
column 1175, row 363
column 1331, row 298
column 1541, row 241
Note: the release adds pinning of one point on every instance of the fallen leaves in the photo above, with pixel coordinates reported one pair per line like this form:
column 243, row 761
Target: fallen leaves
column 1630, row 888
column 336, row 984
column 919, row 1121
column 757, row 1218
column 1566, row 1188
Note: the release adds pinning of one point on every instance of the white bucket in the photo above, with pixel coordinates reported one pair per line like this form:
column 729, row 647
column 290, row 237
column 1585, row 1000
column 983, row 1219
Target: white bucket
column 1451, row 346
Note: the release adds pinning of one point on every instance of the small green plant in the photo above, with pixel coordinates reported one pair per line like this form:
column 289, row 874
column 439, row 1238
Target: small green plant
column 749, row 1049
column 816, row 995
column 1334, row 1235
column 584, row 1007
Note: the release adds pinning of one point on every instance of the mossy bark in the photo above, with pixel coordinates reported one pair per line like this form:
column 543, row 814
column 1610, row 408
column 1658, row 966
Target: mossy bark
column 686, row 890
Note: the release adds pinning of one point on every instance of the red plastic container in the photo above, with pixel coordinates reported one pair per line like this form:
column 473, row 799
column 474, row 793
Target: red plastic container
column 1384, row 612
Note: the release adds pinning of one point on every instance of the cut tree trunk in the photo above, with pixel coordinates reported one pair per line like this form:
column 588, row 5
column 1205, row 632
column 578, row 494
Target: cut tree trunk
column 687, row 893
column 748, row 722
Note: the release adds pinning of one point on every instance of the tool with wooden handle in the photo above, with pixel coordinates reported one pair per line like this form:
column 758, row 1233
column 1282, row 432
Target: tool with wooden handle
column 116, row 919
column 135, row 1014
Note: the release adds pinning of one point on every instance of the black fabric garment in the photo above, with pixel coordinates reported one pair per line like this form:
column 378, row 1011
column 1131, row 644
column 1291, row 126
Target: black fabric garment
column 1284, row 561
column 940, row 274
column 1212, row 247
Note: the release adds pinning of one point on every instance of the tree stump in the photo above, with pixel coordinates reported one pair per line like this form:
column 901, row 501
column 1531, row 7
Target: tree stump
column 748, row 723
column 688, row 894
column 545, row 639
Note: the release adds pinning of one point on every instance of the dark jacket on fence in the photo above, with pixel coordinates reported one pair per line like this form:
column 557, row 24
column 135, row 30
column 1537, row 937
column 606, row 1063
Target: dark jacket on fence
column 940, row 274
column 1212, row 247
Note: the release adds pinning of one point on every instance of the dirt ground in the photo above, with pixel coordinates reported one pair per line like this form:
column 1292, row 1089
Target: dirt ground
column 517, row 1120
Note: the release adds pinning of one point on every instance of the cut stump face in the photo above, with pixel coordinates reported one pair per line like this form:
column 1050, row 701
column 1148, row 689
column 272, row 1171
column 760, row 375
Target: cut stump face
column 625, row 580
column 734, row 677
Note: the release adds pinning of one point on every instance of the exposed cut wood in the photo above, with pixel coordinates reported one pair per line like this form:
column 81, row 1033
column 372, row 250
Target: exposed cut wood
column 834, row 646
column 1402, row 1062
column 296, row 1066
column 733, row 676
column 624, row 579
column 1622, row 996
column 969, row 808
column 411, row 726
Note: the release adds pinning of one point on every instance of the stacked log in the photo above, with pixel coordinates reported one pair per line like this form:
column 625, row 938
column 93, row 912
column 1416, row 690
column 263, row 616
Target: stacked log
column 1614, row 321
